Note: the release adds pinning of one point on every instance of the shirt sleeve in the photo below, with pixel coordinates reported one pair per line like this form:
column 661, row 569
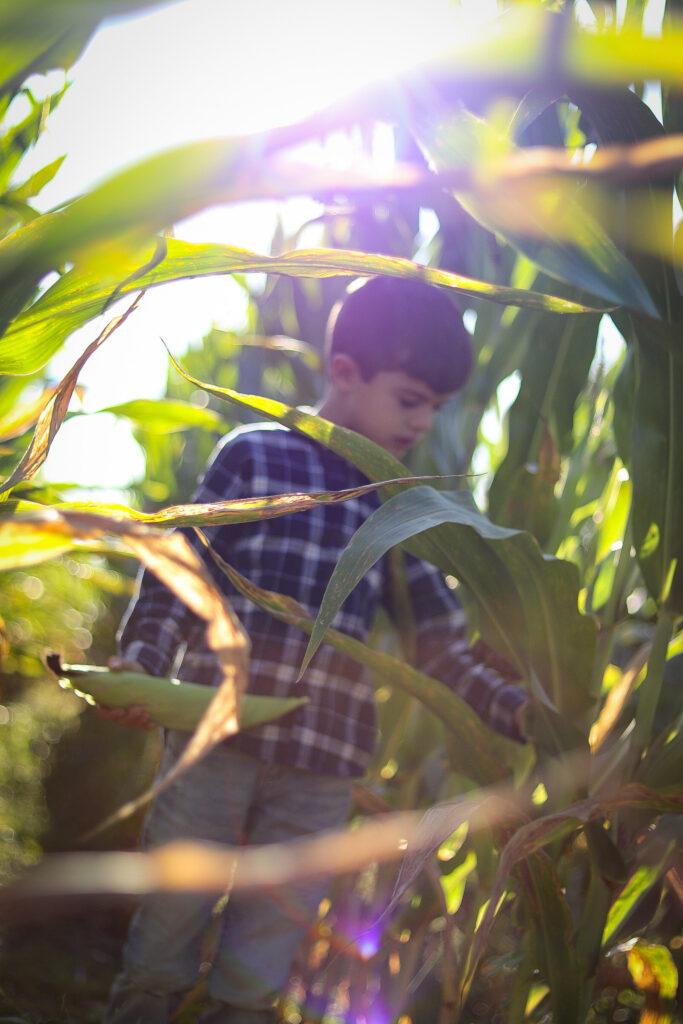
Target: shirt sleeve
column 157, row 624
column 444, row 652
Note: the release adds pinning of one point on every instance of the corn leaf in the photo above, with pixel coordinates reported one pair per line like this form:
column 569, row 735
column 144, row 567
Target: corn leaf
column 84, row 292
column 20, row 417
column 33, row 185
column 619, row 118
column 165, row 415
column 641, row 882
column 521, row 597
column 656, row 458
column 483, row 751
column 23, row 544
column 652, row 408
column 553, row 372
column 52, row 415
column 549, row 922
column 650, row 689
column 662, row 766
column 539, row 219
column 535, row 835
column 17, row 139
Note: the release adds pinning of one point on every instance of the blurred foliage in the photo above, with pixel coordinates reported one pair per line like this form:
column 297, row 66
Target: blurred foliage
column 571, row 425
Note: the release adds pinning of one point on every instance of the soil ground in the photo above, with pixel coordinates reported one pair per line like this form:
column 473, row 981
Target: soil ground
column 58, row 970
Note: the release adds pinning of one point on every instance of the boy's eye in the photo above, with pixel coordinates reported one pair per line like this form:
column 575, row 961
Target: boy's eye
column 408, row 403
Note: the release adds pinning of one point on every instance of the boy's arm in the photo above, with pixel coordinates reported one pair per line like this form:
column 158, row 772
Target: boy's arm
column 156, row 625
column 444, row 652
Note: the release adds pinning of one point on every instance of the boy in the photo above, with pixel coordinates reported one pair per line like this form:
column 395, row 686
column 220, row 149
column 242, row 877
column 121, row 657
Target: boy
column 396, row 351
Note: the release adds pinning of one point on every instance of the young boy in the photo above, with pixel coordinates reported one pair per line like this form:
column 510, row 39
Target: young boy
column 396, row 351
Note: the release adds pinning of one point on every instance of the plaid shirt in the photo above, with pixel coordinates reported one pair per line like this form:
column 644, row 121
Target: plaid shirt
column 295, row 555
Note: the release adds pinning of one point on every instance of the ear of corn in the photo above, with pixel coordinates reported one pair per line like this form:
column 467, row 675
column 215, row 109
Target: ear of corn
column 168, row 702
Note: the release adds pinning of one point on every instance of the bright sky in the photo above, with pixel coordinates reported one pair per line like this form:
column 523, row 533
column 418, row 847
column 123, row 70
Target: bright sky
column 191, row 70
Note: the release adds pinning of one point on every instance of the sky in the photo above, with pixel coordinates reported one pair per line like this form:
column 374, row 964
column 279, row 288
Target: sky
column 190, row 70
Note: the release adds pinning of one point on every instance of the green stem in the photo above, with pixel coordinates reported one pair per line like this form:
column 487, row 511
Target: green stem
column 611, row 611
column 620, row 574
column 521, row 987
column 650, row 688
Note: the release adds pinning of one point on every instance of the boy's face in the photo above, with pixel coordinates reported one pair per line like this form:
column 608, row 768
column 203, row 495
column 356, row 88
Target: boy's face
column 393, row 409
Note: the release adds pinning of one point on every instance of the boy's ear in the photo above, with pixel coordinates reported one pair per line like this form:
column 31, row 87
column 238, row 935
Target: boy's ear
column 344, row 372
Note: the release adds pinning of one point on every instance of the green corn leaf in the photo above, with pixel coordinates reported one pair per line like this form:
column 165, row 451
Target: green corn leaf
column 188, row 259
column 550, row 925
column 553, row 372
column 605, row 854
column 17, row 139
column 641, row 882
column 662, row 766
column 530, row 502
column 536, row 835
column 650, row 689
column 33, row 185
column 648, row 414
column 481, row 750
column 398, row 519
column 84, row 292
column 165, row 415
column 618, row 117
column 21, row 547
column 544, row 221
column 656, row 460
column 522, row 598
column 624, row 395
column 453, row 884
column 591, row 921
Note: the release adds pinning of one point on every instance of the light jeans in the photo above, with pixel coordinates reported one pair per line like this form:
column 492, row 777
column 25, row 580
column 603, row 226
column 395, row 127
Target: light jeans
column 230, row 798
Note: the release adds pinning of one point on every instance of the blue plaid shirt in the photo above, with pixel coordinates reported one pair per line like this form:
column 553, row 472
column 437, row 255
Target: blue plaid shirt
column 295, row 555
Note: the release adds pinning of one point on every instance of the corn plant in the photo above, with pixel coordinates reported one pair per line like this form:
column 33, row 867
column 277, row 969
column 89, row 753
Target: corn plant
column 554, row 187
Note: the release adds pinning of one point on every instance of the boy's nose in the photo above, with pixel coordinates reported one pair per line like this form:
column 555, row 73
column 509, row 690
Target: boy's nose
column 421, row 420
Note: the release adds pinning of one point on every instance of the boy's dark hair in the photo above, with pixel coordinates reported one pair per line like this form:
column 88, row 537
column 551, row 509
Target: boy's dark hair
column 390, row 323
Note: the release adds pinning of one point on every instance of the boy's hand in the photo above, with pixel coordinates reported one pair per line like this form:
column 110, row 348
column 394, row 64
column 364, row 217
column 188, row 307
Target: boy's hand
column 134, row 716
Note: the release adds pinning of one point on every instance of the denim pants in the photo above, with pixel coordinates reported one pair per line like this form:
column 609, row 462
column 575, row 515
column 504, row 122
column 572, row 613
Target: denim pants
column 229, row 798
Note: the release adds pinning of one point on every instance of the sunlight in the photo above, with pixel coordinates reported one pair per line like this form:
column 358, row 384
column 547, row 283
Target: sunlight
column 197, row 69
